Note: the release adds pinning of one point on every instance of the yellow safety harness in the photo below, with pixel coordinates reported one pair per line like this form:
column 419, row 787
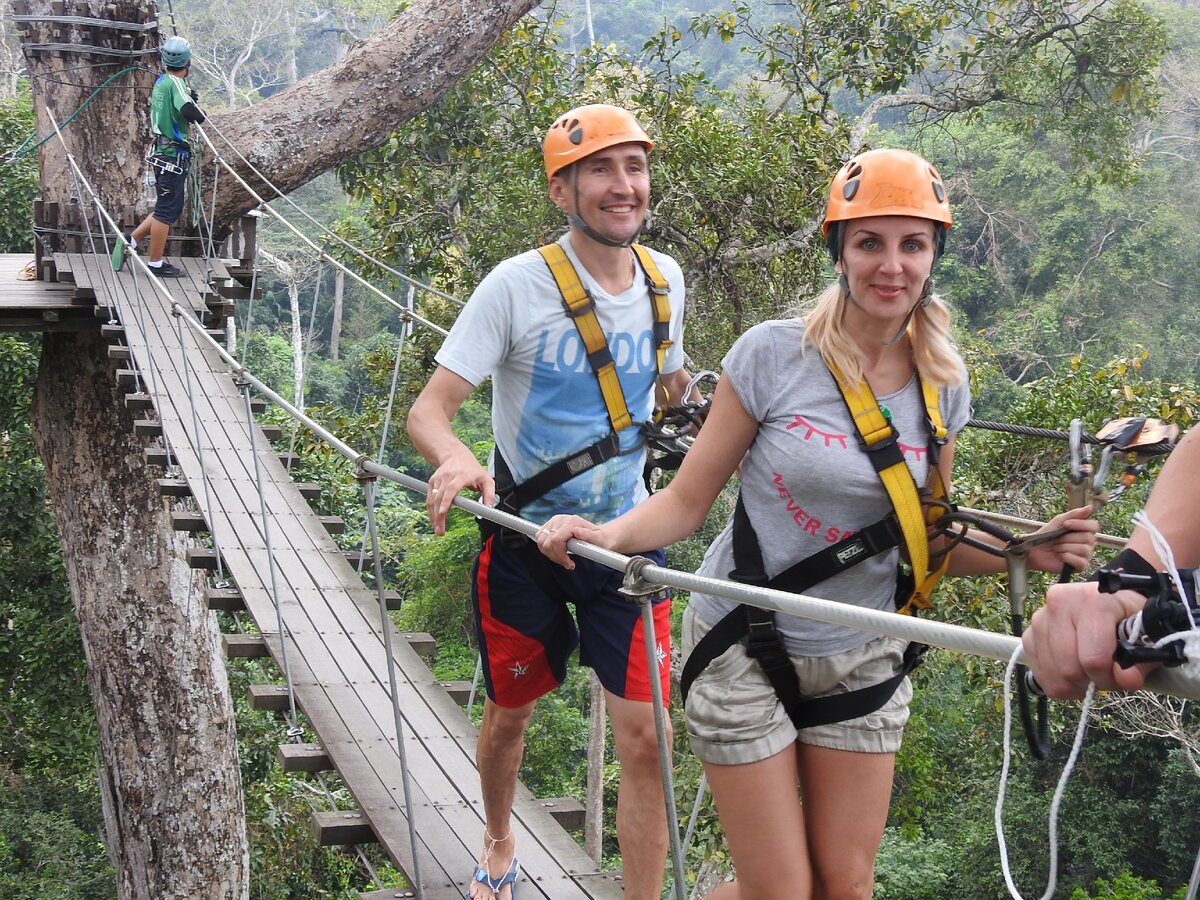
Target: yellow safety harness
column 877, row 437
column 581, row 309
column 906, row 523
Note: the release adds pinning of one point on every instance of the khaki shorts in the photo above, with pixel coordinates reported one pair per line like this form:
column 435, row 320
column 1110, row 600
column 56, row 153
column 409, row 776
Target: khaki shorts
column 734, row 717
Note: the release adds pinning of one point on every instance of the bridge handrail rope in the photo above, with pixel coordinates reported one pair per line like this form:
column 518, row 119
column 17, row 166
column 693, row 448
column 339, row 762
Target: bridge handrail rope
column 358, row 251
column 405, row 312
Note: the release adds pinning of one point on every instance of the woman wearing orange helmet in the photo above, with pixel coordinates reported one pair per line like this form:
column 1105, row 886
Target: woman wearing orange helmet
column 838, row 419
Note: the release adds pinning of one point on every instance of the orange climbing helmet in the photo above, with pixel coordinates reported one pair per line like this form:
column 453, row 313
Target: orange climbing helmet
column 885, row 182
column 586, row 129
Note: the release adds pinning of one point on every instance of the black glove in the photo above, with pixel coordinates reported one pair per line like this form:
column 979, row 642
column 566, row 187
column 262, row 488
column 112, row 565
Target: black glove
column 195, row 95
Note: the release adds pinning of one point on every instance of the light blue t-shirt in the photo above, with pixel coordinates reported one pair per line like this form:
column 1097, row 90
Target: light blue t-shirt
column 546, row 402
column 805, row 482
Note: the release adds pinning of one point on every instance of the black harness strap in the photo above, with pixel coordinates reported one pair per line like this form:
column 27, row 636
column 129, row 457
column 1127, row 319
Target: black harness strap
column 763, row 642
column 799, row 577
column 515, row 496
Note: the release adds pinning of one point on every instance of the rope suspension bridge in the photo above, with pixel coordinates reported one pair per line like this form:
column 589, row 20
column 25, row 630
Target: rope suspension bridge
column 400, row 742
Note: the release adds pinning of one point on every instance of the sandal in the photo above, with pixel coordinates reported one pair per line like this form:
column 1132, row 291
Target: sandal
column 482, row 876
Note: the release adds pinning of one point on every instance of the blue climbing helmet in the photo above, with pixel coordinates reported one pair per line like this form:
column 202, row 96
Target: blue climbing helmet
column 176, row 52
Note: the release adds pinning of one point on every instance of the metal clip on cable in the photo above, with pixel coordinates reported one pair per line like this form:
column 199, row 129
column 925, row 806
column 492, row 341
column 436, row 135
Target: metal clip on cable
column 635, row 586
column 1016, row 557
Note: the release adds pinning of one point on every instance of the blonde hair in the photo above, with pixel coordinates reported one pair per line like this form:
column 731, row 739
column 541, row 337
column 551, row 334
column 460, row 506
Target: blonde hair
column 928, row 332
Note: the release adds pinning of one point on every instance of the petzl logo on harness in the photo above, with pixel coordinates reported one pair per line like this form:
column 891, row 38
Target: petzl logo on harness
column 854, row 551
column 580, row 463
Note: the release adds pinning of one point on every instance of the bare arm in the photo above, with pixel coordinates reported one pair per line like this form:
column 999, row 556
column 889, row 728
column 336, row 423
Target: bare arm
column 678, row 509
column 1174, row 506
column 429, row 428
column 1073, row 549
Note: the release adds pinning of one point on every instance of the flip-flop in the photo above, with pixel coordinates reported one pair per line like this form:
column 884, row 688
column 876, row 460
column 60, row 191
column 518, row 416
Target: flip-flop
column 509, row 878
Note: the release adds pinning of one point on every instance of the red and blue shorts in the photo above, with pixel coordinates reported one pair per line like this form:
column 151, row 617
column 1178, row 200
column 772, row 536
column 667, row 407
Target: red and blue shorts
column 526, row 630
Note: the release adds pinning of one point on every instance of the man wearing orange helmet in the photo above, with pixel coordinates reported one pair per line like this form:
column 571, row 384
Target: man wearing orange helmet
column 576, row 337
column 833, row 420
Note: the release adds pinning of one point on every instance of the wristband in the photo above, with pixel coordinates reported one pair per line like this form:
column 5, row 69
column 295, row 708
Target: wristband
column 1128, row 561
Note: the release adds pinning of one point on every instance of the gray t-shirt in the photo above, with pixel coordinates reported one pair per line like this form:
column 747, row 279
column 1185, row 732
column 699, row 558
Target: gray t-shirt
column 805, row 481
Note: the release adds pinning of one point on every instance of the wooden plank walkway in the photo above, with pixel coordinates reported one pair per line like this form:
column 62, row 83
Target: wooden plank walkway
column 332, row 634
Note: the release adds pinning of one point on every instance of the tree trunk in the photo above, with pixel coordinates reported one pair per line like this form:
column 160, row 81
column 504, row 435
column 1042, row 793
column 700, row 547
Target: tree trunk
column 354, row 105
column 111, row 134
column 174, row 818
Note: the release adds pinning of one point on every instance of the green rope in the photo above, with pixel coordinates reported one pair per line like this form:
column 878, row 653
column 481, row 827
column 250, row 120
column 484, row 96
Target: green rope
column 24, row 148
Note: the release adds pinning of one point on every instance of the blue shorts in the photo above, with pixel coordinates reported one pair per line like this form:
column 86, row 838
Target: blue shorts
column 170, row 188
column 526, row 630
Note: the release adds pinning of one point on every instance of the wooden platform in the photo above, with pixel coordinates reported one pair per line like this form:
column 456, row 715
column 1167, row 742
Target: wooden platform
column 39, row 305
column 332, row 635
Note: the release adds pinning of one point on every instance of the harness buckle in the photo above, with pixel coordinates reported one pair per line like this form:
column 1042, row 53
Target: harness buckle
column 764, row 643
column 583, row 309
column 879, row 446
column 663, row 291
column 884, row 453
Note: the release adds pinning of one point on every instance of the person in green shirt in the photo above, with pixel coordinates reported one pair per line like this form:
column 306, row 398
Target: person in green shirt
column 172, row 109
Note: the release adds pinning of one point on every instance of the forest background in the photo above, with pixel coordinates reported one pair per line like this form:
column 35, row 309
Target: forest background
column 1071, row 167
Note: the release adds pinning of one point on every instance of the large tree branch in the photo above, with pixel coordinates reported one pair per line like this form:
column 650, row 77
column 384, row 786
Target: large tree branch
column 355, row 104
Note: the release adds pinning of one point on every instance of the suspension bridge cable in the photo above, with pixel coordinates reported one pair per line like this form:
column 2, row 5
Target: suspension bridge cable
column 369, row 486
column 363, row 254
column 405, row 312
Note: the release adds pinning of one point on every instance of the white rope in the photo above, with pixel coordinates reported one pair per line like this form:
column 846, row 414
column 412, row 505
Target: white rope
column 1163, row 549
column 1190, row 638
column 1056, row 802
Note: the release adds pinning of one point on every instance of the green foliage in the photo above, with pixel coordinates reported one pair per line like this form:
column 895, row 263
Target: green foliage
column 49, row 799
column 19, row 177
column 49, row 845
column 1084, row 73
column 1123, row 887
column 43, row 690
column 1044, row 268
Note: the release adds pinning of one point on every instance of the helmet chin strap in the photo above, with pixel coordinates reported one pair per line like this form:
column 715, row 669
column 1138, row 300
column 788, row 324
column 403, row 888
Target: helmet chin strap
column 577, row 221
